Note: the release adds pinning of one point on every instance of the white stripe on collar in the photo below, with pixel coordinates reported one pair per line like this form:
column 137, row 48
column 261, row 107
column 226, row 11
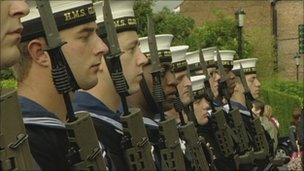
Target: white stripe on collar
column 116, row 124
column 226, row 108
column 111, row 121
column 44, row 121
column 209, row 112
column 245, row 112
column 148, row 121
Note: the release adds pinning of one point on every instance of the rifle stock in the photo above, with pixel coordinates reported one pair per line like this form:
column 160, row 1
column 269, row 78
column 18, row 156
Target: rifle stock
column 194, row 149
column 172, row 153
column 135, row 142
column 81, row 134
column 14, row 148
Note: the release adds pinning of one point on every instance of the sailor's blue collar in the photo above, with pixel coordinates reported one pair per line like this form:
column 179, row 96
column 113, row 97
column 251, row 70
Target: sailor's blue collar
column 34, row 114
column 29, row 108
column 86, row 102
column 217, row 103
column 238, row 105
column 243, row 109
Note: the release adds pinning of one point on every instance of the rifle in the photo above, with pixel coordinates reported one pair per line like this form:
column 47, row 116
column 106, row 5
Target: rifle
column 261, row 148
column 135, row 139
column 14, row 148
column 170, row 149
column 84, row 152
column 234, row 117
column 195, row 144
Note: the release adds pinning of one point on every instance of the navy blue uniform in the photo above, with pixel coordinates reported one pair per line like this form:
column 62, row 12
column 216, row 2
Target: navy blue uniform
column 47, row 136
column 108, row 126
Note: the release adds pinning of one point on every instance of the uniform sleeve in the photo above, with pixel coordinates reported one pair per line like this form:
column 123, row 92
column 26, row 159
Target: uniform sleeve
column 48, row 147
column 111, row 140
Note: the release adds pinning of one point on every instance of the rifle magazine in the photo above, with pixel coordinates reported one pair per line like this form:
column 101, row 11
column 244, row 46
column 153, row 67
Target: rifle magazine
column 82, row 134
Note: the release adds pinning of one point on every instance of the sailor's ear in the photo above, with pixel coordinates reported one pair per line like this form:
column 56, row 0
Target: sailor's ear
column 36, row 52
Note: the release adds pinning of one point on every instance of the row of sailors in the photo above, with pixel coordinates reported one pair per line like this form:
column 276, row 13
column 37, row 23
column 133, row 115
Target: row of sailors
column 43, row 108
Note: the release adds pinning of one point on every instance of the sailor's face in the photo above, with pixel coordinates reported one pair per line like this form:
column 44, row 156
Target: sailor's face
column 214, row 80
column 11, row 28
column 253, row 84
column 132, row 59
column 183, row 86
column 231, row 80
column 168, row 84
column 201, row 108
column 83, row 51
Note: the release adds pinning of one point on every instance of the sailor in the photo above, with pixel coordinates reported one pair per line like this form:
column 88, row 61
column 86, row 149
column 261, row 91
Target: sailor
column 144, row 98
column 102, row 101
column 43, row 108
column 179, row 68
column 227, row 61
column 201, row 105
column 238, row 99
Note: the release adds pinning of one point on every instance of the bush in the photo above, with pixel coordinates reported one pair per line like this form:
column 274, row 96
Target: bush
column 168, row 22
column 8, row 84
column 283, row 96
column 221, row 33
column 142, row 8
column 6, row 74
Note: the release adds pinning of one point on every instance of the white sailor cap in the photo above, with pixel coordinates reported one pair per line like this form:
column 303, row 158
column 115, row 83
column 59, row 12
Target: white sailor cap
column 120, row 9
column 192, row 57
column 198, row 86
column 226, row 57
column 193, row 61
column 163, row 42
column 249, row 65
column 123, row 16
column 208, row 54
column 98, row 7
column 178, row 57
column 67, row 14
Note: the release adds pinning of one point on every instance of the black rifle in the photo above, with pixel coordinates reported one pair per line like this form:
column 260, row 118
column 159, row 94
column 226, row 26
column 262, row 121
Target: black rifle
column 170, row 149
column 15, row 152
column 222, row 133
column 135, row 139
column 234, row 117
column 84, row 152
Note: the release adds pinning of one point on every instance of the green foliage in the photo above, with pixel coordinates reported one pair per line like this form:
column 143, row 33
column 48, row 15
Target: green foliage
column 168, row 22
column 7, row 84
column 283, row 96
column 220, row 32
column 142, row 8
column 6, row 74
column 263, row 42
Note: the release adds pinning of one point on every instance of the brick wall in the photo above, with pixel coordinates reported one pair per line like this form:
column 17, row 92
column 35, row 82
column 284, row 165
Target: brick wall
column 258, row 29
column 290, row 15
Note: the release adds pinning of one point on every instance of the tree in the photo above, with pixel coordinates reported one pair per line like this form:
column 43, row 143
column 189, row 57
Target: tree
column 168, row 22
column 220, row 33
column 142, row 8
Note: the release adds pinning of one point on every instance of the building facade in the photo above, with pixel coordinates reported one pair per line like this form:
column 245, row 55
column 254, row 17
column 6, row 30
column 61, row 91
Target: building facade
column 270, row 26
